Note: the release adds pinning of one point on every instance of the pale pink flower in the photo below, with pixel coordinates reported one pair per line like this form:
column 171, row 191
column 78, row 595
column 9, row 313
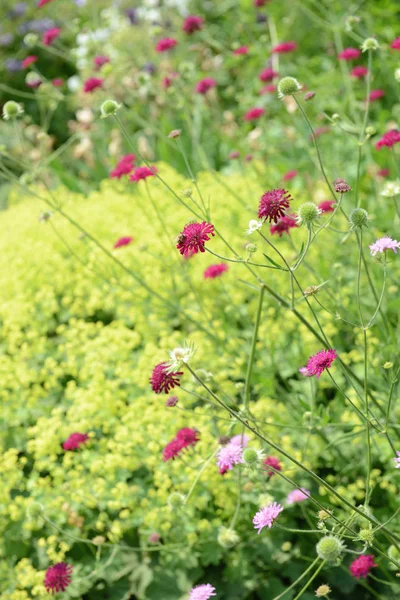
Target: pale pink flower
column 297, row 496
column 385, row 243
column 266, row 516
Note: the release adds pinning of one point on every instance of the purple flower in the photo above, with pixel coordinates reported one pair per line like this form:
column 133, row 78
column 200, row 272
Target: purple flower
column 6, row 39
column 297, row 496
column 317, row 363
column 229, row 456
column 241, row 440
column 202, row 592
column 13, row 65
column 385, row 243
column 266, row 516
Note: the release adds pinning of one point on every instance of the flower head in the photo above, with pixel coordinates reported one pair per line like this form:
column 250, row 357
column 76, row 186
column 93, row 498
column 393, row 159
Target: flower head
column 202, row 592
column 349, row 54
column 194, row 236
column 397, row 460
column 241, row 50
column 288, row 86
column 341, row 187
column 229, row 456
column 28, row 61
column 370, row 44
column 171, row 401
column 253, row 226
column 267, row 74
column 204, row 85
column 283, row 225
column 192, row 23
column 50, row 35
column 284, row 48
column 109, row 108
column 268, row 89
column 58, row 577
column 166, row 44
column 187, row 437
column 57, row 82
column 123, row 241
column 215, row 271
column 361, row 566
column 181, row 355
column 290, row 175
column 162, row 380
column 273, row 205
column 43, row 2
column 323, row 590
column 172, row 450
column 383, row 244
column 395, row 45
column 330, row 548
column 358, row 218
column 383, row 173
column 254, row 114
column 272, row 461
column 142, row 173
column 124, row 166
column 12, row 110
column 359, row 71
column 75, row 441
column 317, row 363
column 326, row 206
column 389, row 139
column 296, row 496
column 100, row 60
column 92, row 84
column 376, row 95
column 266, row 516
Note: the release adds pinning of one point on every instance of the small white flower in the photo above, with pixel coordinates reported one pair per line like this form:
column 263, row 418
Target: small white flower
column 179, row 355
column 253, row 226
column 392, row 189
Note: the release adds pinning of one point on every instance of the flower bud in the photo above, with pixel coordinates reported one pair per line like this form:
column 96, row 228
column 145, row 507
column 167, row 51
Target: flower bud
column 311, row 290
column 251, row 248
column 288, row 86
column 323, row 515
column 32, row 79
column 309, row 96
column 308, row 213
column 370, row 130
column 369, row 44
column 322, row 590
column 286, row 547
column 330, row 548
column 358, row 218
column 187, row 193
column 388, row 365
column 31, row 39
column 11, row 110
column 176, row 500
column 251, row 457
column 175, row 133
column 227, row 538
column 99, row 540
column 366, row 535
column 109, row 108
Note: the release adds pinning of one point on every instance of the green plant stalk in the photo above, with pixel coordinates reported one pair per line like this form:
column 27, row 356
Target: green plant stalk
column 253, row 349
column 361, row 140
column 309, row 582
column 291, row 586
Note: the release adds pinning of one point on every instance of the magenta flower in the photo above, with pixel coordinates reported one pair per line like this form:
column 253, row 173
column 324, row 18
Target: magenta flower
column 50, row 35
column 75, row 441
column 317, row 364
column 361, row 566
column 168, row 80
column 162, row 381
column 215, row 271
column 57, row 82
column 229, row 456
column 272, row 461
column 283, row 225
column 124, row 166
column 172, row 450
column 318, row 131
column 254, row 114
column 166, row 44
column 389, row 139
column 290, row 175
column 349, row 54
column 395, row 45
column 241, row 50
column 35, row 82
column 43, row 2
column 202, row 592
column 187, row 437
column 233, row 155
column 305, row 372
column 100, row 60
column 341, row 186
column 58, row 577
column 193, row 237
column 326, row 206
column 397, row 460
column 273, row 205
column 266, row 516
column 358, row 72
column 267, row 74
column 268, row 89
column 376, row 95
column 284, row 48
column 123, row 241
column 192, row 23
column 92, row 84
column 383, row 172
column 260, row 3
column 297, row 496
column 142, row 173
column 28, row 61
column 204, row 85
column 383, row 244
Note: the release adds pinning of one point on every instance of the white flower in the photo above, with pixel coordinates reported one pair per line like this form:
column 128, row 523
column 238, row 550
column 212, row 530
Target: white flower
column 392, row 189
column 179, row 355
column 253, row 226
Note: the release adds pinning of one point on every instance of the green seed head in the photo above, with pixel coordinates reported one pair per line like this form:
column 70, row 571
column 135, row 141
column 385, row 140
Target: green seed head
column 11, row 110
column 250, row 456
column 288, row 86
column 358, row 218
column 109, row 108
column 251, row 248
column 31, row 39
column 308, row 213
column 366, row 535
column 176, row 500
column 227, row 538
column 369, row 44
column 330, row 548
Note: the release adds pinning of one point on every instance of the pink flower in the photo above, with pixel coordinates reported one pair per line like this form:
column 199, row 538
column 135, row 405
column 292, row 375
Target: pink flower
column 395, row 45
column 341, row 186
column 297, row 496
column 317, row 363
column 229, row 456
column 384, row 172
column 163, row 381
column 215, row 271
column 305, row 372
column 272, row 461
column 320, row 131
column 141, row 173
column 58, row 577
column 192, row 24
column 376, row 95
column 166, row 44
column 260, row 3
column 284, row 48
column 273, row 205
column 268, row 89
column 267, row 74
column 172, row 450
column 233, row 155
column 290, row 175
column 188, row 437
column 171, row 401
column 34, row 83
column 309, row 96
column 100, row 60
column 29, row 60
column 240, row 440
column 168, row 80
column 154, row 538
column 397, row 460
column 124, row 166
column 202, row 592
column 389, row 139
column 266, row 516
column 359, row 72
column 75, row 441
column 57, row 82
column 361, row 566
column 349, row 54
column 92, row 84
column 194, row 236
column 254, row 114
column 283, row 225
column 241, row 50
column 123, row 241
column 50, row 35
column 326, row 206
column 383, row 244
column 43, row 2
column 204, row 85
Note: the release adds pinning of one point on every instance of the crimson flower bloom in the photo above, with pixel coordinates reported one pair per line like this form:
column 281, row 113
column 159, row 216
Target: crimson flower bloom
column 205, row 84
column 260, row 3
column 192, row 23
column 100, row 60
column 268, row 89
column 254, row 114
column 358, row 72
column 283, row 225
column 123, row 241
column 267, row 74
column 320, row 131
column 57, row 82
column 395, row 45
column 284, row 48
column 272, row 461
column 58, row 577
column 233, row 155
column 361, row 566
column 241, row 50
column 188, row 437
column 317, row 363
column 326, row 206
column 123, row 167
column 389, row 139
column 75, row 441
column 376, row 95
column 50, row 35
column 166, row 44
column 349, row 54
column 215, row 271
column 168, row 80
column 92, row 84
column 384, row 172
column 141, row 173
column 172, row 450
column 29, row 60
column 290, row 175
column 193, row 237
column 273, row 205
column 43, row 2
column 162, row 381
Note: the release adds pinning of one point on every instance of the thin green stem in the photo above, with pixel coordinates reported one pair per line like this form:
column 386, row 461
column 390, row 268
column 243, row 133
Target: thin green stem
column 253, row 349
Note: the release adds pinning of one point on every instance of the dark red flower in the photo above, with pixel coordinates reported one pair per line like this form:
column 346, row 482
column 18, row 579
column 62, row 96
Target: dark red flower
column 268, row 89
column 58, row 577
column 215, row 271
column 349, row 54
column 290, row 175
column 100, row 60
column 168, row 80
column 327, row 206
column 162, row 381
column 260, row 3
column 273, row 205
column 93, row 83
column 383, row 173
column 188, row 437
column 254, row 114
column 50, row 35
column 75, row 441
column 359, row 72
column 361, row 566
column 57, row 82
column 233, row 155
column 29, row 60
column 241, row 50
column 283, row 225
column 284, row 48
column 172, row 450
column 194, row 236
column 43, row 2
column 376, row 95
column 267, row 74
column 124, row 166
column 166, row 44
column 123, row 241
column 205, row 84
column 141, row 173
column 395, row 45
column 389, row 139
column 272, row 461
column 192, row 23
